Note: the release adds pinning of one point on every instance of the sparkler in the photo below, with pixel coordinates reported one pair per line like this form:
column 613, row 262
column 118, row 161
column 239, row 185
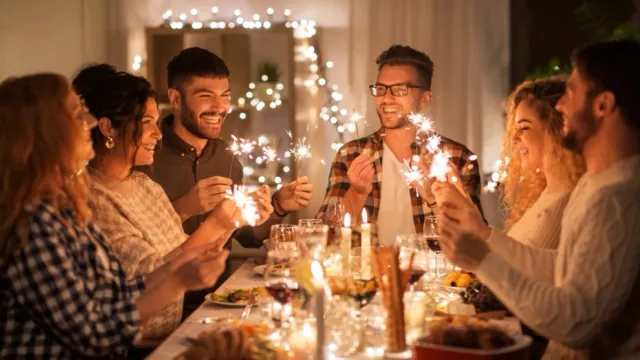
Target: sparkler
column 354, row 118
column 433, row 143
column 269, row 154
column 412, row 173
column 248, row 208
column 238, row 147
column 440, row 166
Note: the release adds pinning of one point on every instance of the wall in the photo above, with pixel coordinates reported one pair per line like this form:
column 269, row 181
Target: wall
column 50, row 35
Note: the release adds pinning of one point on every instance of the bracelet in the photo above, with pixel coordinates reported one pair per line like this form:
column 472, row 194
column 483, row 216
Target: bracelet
column 276, row 206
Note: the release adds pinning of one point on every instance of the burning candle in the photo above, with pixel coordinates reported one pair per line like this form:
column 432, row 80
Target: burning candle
column 319, row 288
column 345, row 244
column 365, row 246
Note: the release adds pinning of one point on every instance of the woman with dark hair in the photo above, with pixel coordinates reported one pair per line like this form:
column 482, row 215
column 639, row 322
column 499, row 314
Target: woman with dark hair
column 63, row 293
column 134, row 212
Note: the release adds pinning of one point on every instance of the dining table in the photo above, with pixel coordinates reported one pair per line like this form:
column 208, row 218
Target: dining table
column 208, row 314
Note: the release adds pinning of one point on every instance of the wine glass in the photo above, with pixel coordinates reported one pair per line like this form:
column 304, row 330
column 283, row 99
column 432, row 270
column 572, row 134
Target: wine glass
column 413, row 245
column 279, row 280
column 433, row 240
column 309, row 222
column 334, row 217
column 312, row 239
column 282, row 236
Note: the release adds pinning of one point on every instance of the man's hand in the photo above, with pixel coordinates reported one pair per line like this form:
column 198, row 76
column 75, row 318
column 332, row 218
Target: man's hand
column 360, row 174
column 458, row 214
column 203, row 197
column 464, row 250
column 294, row 195
column 425, row 187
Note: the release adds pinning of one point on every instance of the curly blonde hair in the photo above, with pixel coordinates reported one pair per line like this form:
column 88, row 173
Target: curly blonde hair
column 38, row 154
column 521, row 188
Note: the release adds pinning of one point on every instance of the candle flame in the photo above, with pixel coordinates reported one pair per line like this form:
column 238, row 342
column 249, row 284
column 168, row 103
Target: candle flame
column 347, row 220
column 364, row 216
column 316, row 270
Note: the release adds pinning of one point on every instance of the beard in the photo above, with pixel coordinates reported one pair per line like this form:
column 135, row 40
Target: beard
column 575, row 139
column 189, row 120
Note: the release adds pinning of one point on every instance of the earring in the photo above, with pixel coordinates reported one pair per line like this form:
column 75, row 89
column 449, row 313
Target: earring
column 109, row 143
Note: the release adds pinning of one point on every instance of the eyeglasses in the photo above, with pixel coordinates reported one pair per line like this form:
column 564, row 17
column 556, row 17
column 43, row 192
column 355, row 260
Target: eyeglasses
column 378, row 90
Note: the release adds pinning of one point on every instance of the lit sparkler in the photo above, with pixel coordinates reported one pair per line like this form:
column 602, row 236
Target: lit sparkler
column 269, row 154
column 433, row 143
column 412, row 174
column 354, row 118
column 248, row 208
column 440, row 166
column 301, row 150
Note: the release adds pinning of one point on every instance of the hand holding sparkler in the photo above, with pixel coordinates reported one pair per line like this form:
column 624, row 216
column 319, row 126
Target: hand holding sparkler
column 262, row 198
column 360, row 174
column 202, row 197
column 458, row 214
column 248, row 206
column 294, row 195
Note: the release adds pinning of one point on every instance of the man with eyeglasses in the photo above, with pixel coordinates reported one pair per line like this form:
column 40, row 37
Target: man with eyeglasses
column 403, row 87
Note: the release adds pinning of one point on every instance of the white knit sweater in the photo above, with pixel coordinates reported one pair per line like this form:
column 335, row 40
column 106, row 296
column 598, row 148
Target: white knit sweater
column 588, row 294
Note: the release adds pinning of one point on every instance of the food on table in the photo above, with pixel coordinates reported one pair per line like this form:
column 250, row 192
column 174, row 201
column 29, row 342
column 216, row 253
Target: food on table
column 481, row 297
column 363, row 291
column 466, row 332
column 237, row 296
column 458, row 279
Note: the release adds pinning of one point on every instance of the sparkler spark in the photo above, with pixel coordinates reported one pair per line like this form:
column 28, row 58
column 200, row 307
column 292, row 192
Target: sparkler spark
column 269, row 154
column 246, row 204
column 412, row 174
column 433, row 143
column 416, row 119
column 241, row 146
column 440, row 166
column 301, row 150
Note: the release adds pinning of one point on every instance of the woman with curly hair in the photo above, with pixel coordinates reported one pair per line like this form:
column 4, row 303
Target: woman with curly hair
column 540, row 174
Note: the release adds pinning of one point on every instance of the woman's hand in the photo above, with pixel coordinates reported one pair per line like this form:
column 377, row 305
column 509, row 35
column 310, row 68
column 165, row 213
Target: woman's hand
column 227, row 216
column 262, row 197
column 200, row 266
column 425, row 186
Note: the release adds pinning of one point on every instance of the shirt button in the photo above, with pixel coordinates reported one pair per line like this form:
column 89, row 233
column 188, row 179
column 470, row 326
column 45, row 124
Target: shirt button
column 192, row 149
column 182, row 154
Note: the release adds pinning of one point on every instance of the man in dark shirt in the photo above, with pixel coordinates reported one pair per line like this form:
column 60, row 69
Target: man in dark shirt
column 193, row 165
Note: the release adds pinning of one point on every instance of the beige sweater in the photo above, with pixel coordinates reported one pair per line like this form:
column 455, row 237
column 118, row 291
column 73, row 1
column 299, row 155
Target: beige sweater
column 142, row 227
column 587, row 298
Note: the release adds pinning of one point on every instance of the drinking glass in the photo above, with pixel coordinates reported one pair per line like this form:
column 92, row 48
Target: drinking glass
column 334, row 217
column 344, row 326
column 312, row 239
column 433, row 241
column 413, row 245
column 280, row 282
column 282, row 236
column 309, row 222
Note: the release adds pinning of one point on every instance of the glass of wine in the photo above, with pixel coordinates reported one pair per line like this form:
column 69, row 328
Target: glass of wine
column 312, row 239
column 334, row 217
column 413, row 245
column 433, row 241
column 283, row 236
column 279, row 281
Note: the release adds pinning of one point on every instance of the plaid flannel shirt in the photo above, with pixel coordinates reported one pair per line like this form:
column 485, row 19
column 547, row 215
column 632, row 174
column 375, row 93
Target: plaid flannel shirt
column 372, row 145
column 65, row 295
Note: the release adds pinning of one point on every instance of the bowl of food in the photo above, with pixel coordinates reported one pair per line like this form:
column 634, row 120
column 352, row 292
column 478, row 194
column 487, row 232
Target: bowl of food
column 469, row 338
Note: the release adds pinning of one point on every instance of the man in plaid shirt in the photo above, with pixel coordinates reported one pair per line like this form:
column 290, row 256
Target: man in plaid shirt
column 403, row 87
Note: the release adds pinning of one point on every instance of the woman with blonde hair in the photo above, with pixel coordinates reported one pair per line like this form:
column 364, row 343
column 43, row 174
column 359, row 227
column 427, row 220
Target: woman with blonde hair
column 539, row 174
column 63, row 293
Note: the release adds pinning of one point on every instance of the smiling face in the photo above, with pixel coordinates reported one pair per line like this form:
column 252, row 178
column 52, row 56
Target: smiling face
column 576, row 107
column 204, row 104
column 528, row 139
column 150, row 134
column 393, row 110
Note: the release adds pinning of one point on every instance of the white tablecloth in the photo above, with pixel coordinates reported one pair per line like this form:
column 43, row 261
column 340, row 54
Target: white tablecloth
column 175, row 344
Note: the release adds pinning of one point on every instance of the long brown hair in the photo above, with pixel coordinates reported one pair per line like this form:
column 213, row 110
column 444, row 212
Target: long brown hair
column 522, row 188
column 39, row 156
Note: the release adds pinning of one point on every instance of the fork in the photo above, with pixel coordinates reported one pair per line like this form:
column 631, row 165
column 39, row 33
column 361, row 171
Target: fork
column 249, row 306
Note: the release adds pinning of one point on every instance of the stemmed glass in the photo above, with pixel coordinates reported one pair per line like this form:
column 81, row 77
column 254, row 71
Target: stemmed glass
column 334, row 217
column 280, row 282
column 416, row 245
column 283, row 236
column 433, row 240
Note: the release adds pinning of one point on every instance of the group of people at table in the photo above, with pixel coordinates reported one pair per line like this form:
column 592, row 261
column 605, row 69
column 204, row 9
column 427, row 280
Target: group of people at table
column 111, row 218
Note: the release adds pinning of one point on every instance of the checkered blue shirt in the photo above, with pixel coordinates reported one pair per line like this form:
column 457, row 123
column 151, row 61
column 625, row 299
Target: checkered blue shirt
column 65, row 295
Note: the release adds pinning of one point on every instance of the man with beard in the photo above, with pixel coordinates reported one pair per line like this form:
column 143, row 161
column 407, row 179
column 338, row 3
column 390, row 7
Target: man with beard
column 403, row 87
column 193, row 163
column 584, row 296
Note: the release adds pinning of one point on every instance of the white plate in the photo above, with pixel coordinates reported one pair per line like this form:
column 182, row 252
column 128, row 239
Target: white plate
column 242, row 303
column 259, row 270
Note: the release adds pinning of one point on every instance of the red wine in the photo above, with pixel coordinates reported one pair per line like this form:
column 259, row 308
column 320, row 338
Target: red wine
column 416, row 274
column 433, row 243
column 280, row 292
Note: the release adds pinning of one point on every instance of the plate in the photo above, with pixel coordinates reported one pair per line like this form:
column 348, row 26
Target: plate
column 211, row 298
column 259, row 270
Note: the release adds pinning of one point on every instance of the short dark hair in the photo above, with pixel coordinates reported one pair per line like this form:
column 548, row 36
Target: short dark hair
column 194, row 61
column 406, row 55
column 116, row 95
column 613, row 66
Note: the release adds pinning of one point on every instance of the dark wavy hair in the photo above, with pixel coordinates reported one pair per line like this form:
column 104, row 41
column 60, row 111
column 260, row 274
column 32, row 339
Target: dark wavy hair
column 406, row 55
column 118, row 96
